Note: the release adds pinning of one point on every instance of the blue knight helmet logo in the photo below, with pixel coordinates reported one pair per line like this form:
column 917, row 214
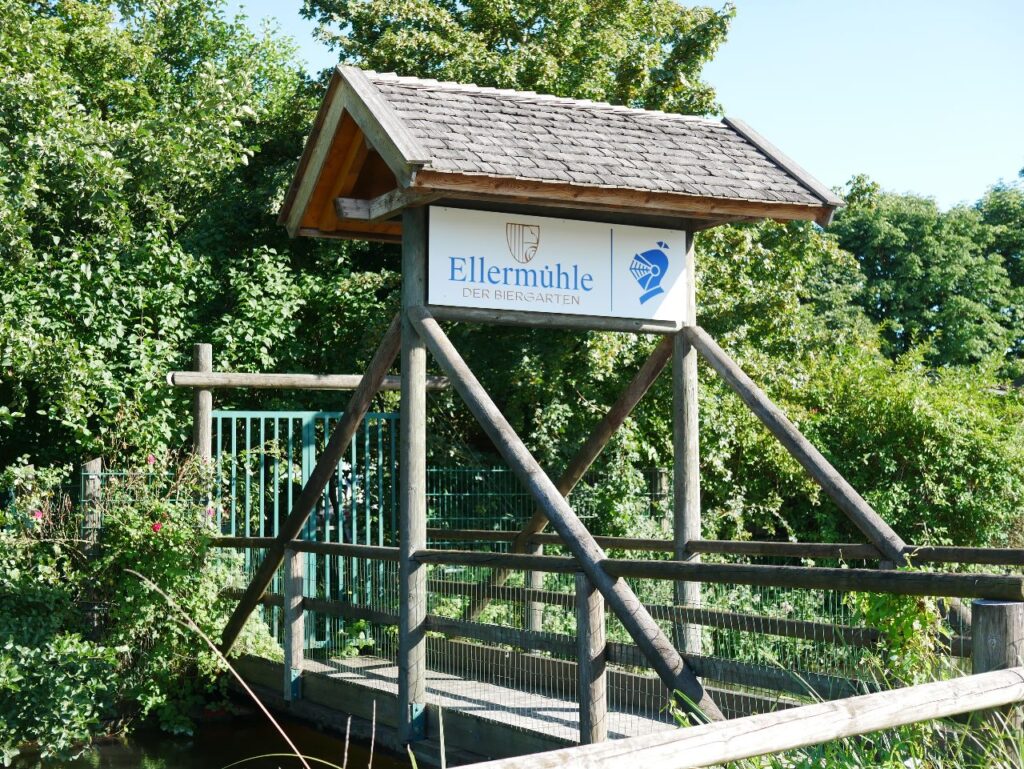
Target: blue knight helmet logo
column 649, row 270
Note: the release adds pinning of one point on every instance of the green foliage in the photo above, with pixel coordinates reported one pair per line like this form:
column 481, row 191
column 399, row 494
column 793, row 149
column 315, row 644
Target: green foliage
column 84, row 647
column 933, row 278
column 642, row 53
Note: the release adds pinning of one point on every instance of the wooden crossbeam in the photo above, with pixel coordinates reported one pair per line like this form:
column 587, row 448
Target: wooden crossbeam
column 620, row 598
column 381, row 207
column 224, row 379
column 311, row 492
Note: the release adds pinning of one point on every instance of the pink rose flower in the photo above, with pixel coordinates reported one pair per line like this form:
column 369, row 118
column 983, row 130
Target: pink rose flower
column 151, row 460
column 210, row 512
column 157, row 526
column 37, row 514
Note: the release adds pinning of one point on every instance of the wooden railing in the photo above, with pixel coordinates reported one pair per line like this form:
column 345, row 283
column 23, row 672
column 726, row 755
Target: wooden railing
column 1004, row 596
column 719, row 743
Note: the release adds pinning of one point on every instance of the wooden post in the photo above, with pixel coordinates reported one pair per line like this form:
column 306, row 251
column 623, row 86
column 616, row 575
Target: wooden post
column 202, row 405
column 534, row 580
column 91, row 495
column 590, row 645
column 686, row 518
column 412, row 648
column 636, row 620
column 997, row 643
column 310, row 495
column 294, row 623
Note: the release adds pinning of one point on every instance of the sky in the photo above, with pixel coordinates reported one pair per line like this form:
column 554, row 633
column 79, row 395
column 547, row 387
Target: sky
column 923, row 96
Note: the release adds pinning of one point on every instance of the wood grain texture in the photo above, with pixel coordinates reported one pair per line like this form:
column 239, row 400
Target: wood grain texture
column 314, row 156
column 202, row 404
column 734, row 740
column 412, row 575
column 994, row 586
column 555, row 194
column 686, row 511
column 591, row 686
column 383, row 206
column 294, row 625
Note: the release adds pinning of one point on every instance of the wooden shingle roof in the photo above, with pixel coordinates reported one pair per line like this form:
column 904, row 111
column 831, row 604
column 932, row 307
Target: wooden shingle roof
column 424, row 140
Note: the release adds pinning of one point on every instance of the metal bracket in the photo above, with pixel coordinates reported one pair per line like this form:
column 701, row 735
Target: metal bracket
column 417, row 721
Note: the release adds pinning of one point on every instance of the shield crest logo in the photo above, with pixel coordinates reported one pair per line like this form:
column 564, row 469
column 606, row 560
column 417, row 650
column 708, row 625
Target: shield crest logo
column 523, row 241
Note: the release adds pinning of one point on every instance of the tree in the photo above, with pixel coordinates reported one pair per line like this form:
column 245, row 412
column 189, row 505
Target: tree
column 931, row 277
column 1002, row 209
column 145, row 150
column 642, row 53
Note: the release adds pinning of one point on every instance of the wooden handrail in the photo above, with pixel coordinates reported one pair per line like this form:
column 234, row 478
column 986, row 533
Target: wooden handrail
column 993, row 586
column 991, row 556
column 740, row 738
column 224, row 379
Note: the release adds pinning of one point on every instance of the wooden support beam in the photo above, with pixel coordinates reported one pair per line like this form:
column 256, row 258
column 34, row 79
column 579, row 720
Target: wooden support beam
column 881, row 535
column 412, row 575
column 202, row 404
column 589, row 452
column 686, row 512
column 740, row 738
column 994, row 586
column 623, row 602
column 294, row 624
column 221, row 380
column 998, row 644
column 326, row 466
column 375, row 552
column 603, row 199
column 381, row 207
column 590, row 660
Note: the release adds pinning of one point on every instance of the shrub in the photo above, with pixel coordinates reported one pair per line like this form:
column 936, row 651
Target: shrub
column 85, row 647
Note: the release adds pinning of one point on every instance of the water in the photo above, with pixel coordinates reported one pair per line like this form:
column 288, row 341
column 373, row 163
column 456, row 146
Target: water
column 218, row 744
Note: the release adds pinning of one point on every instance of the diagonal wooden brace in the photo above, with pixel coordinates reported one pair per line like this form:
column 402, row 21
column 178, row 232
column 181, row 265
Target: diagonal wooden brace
column 588, row 452
column 856, row 508
column 646, row 633
column 333, row 453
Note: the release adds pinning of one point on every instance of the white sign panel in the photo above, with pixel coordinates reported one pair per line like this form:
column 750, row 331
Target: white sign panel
column 540, row 264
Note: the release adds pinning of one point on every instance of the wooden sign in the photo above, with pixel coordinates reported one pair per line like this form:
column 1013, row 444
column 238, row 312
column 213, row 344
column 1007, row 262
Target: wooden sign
column 490, row 260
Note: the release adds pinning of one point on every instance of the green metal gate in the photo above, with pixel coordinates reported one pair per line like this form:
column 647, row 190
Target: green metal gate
column 263, row 460
column 265, row 457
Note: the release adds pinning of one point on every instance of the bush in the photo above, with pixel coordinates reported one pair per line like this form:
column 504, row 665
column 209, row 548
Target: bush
column 86, row 648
